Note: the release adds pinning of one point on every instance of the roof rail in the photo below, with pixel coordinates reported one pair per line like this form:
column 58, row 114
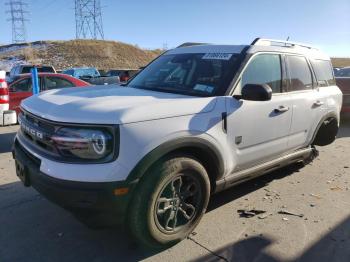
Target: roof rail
column 190, row 44
column 280, row 43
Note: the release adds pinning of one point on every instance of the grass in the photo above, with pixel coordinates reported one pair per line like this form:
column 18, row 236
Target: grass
column 77, row 53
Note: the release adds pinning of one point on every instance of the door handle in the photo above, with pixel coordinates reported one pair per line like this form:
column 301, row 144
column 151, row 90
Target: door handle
column 318, row 103
column 281, row 109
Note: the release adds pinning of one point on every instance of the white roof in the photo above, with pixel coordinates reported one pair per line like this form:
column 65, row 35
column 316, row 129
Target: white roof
column 226, row 49
column 208, row 48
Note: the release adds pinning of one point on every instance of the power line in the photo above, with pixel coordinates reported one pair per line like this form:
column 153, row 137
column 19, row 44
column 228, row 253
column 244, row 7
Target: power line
column 88, row 19
column 17, row 17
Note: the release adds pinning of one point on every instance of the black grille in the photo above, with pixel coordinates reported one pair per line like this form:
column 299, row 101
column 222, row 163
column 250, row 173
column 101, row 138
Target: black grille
column 37, row 132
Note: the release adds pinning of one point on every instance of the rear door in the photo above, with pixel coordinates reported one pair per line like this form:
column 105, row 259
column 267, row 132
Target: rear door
column 308, row 103
column 258, row 130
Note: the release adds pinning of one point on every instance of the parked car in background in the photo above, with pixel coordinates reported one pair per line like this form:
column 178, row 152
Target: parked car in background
column 91, row 75
column 342, row 72
column 124, row 74
column 18, row 70
column 22, row 88
column 82, row 72
column 344, row 84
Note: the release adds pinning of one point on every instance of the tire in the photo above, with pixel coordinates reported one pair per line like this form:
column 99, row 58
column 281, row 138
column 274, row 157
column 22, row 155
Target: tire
column 169, row 202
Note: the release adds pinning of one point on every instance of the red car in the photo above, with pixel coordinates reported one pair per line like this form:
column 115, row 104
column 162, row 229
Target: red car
column 22, row 88
column 344, row 84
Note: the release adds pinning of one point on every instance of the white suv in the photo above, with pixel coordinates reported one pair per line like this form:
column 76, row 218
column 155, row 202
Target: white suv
column 196, row 120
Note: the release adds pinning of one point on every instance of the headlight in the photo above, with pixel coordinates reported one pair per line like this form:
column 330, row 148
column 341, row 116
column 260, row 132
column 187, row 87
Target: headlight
column 83, row 143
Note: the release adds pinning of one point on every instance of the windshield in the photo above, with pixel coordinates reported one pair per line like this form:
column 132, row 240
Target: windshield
column 196, row 74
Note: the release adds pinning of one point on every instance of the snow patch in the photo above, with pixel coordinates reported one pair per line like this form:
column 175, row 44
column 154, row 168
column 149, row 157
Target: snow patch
column 9, row 60
column 17, row 47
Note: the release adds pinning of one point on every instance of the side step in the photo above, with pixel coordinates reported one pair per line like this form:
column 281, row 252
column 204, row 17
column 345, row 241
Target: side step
column 261, row 169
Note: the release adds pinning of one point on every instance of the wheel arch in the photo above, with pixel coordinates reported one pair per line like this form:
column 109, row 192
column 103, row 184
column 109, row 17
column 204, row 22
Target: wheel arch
column 326, row 130
column 202, row 150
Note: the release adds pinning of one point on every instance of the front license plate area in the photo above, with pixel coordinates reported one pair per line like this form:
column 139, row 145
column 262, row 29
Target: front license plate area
column 22, row 173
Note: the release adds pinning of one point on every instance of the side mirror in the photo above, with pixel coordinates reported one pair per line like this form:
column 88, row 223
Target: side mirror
column 256, row 92
column 12, row 89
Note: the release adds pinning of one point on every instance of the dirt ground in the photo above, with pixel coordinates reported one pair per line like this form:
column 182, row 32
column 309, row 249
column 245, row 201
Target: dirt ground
column 33, row 229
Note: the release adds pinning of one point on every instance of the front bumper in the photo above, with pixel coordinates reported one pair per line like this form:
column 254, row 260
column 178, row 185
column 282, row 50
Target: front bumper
column 84, row 199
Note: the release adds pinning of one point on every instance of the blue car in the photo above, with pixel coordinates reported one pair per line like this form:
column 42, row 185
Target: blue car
column 82, row 72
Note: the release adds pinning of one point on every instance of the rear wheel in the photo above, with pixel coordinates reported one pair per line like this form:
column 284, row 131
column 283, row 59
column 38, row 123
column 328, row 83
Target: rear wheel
column 169, row 202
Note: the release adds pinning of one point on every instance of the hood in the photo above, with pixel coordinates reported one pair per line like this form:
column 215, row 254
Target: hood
column 113, row 104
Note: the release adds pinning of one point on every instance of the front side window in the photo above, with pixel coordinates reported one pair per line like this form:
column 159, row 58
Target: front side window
column 197, row 74
column 57, row 82
column 300, row 77
column 264, row 69
column 24, row 85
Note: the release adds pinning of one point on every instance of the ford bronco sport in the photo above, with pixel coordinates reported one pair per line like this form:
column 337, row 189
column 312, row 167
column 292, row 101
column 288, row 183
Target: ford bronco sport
column 196, row 120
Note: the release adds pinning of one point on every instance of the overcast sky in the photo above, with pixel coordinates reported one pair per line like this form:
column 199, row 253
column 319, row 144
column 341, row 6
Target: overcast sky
column 153, row 23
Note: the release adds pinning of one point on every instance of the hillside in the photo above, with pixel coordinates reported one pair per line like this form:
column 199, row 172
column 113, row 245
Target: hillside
column 76, row 53
column 340, row 62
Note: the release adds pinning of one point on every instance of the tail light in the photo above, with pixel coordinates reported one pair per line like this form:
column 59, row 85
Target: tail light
column 4, row 92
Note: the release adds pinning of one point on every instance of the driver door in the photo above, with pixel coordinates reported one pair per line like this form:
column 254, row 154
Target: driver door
column 258, row 130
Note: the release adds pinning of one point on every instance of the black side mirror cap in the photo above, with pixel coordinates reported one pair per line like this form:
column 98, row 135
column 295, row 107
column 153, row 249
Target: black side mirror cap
column 256, row 92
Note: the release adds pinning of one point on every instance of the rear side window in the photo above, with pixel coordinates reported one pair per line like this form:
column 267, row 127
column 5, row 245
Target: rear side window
column 323, row 71
column 300, row 76
column 57, row 82
column 264, row 69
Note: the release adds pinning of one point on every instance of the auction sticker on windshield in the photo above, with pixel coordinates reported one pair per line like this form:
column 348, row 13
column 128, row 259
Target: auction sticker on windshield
column 217, row 56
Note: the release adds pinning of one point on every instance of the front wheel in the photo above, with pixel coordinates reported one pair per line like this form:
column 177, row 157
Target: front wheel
column 169, row 202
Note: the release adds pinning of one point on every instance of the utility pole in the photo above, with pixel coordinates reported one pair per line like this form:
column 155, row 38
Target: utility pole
column 88, row 19
column 17, row 18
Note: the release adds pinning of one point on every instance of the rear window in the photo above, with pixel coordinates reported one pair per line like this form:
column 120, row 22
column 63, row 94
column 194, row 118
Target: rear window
column 324, row 72
column 44, row 69
column 88, row 72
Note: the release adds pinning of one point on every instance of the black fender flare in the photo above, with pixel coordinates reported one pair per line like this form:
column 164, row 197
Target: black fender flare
column 330, row 115
column 157, row 153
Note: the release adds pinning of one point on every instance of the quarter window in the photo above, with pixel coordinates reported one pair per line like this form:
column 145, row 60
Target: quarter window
column 299, row 73
column 323, row 71
column 264, row 69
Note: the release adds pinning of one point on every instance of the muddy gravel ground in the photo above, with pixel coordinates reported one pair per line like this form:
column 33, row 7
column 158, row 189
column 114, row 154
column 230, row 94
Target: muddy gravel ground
column 317, row 195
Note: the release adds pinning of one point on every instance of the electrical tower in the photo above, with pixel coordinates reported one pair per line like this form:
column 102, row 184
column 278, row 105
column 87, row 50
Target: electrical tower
column 17, row 17
column 88, row 19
